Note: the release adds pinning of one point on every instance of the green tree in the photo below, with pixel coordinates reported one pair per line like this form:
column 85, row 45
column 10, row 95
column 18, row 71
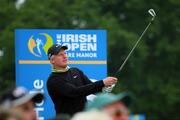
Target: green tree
column 151, row 73
column 7, row 61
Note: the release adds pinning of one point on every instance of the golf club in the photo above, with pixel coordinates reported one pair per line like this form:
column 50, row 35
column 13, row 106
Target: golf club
column 153, row 14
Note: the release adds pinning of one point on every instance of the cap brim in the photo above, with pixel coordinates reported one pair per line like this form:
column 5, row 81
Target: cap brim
column 126, row 98
column 35, row 97
column 62, row 47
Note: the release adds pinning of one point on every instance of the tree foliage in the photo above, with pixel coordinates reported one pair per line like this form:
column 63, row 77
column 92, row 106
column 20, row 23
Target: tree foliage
column 151, row 73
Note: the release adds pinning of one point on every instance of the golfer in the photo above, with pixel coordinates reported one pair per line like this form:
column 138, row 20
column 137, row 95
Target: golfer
column 68, row 87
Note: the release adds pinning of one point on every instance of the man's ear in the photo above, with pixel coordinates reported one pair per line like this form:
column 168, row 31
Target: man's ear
column 52, row 59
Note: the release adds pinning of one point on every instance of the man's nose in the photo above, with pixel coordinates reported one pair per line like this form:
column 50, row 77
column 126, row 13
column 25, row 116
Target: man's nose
column 65, row 55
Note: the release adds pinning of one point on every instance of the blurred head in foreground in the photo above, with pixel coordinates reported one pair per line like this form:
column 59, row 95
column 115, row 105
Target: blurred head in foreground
column 91, row 115
column 6, row 114
column 115, row 106
column 19, row 99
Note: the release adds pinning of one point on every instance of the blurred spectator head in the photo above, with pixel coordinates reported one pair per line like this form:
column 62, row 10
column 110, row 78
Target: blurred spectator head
column 6, row 114
column 61, row 117
column 115, row 105
column 91, row 115
column 21, row 100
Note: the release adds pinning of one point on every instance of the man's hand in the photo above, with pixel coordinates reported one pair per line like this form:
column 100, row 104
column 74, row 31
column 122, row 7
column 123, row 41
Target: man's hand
column 109, row 81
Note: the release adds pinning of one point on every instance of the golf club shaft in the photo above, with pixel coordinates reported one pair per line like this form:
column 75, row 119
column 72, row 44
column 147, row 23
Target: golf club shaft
column 153, row 14
column 122, row 65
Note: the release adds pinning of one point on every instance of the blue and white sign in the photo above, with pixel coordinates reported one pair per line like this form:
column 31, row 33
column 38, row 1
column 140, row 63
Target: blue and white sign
column 86, row 50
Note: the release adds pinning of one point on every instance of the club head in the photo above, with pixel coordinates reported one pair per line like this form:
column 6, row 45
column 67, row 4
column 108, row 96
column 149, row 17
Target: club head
column 152, row 13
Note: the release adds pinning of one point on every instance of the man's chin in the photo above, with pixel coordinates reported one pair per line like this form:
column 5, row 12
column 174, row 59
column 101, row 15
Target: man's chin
column 65, row 65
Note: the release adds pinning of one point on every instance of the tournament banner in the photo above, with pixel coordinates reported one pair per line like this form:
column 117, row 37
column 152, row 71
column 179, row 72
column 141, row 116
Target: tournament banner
column 87, row 51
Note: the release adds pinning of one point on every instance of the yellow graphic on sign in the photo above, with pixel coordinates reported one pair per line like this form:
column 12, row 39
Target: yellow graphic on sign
column 39, row 45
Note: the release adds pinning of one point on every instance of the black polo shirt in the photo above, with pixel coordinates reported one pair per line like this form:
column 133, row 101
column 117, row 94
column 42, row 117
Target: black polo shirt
column 68, row 90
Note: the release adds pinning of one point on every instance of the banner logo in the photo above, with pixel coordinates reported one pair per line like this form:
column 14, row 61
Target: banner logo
column 39, row 44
